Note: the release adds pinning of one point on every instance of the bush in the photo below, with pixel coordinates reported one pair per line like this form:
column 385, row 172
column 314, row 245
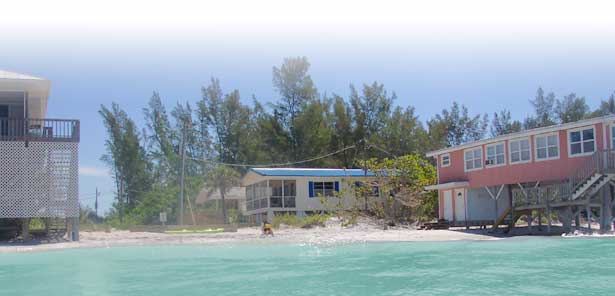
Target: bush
column 286, row 219
column 315, row 220
column 303, row 222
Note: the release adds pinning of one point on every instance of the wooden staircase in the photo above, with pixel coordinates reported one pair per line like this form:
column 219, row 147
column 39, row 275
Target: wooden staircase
column 597, row 171
column 501, row 219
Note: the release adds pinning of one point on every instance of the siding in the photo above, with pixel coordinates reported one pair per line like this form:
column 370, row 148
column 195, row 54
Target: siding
column 548, row 170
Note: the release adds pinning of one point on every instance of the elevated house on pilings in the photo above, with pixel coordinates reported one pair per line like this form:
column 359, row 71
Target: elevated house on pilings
column 564, row 171
column 39, row 160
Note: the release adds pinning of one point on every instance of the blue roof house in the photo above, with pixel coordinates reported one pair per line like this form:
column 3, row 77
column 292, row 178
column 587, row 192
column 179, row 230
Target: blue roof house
column 300, row 191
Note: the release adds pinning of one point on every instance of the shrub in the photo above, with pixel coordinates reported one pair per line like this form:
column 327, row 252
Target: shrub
column 286, row 219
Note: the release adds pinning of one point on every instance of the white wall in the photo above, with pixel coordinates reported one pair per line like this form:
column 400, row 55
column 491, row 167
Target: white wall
column 482, row 207
column 302, row 200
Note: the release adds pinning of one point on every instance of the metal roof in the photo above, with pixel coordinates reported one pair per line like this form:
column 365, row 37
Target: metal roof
column 13, row 75
column 311, row 172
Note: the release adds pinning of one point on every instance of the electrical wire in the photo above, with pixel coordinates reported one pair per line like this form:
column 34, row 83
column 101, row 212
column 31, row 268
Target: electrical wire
column 274, row 164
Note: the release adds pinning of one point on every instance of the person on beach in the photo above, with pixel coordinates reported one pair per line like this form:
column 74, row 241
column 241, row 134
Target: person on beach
column 267, row 229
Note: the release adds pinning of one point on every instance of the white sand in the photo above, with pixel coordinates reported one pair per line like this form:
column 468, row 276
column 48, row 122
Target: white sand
column 332, row 234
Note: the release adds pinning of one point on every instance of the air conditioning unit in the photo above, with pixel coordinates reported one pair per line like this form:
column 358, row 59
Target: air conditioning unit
column 489, row 162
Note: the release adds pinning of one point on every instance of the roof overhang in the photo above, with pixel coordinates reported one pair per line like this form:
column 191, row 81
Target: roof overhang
column 34, row 89
column 526, row 133
column 449, row 185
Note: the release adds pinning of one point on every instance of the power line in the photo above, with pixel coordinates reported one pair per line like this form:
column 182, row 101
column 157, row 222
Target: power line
column 275, row 164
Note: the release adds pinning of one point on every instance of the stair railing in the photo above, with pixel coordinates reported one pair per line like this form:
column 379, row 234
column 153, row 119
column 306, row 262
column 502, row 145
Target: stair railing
column 600, row 162
column 588, row 169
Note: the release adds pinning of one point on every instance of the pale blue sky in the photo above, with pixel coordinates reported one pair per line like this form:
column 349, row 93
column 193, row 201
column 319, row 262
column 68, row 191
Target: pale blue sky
column 484, row 56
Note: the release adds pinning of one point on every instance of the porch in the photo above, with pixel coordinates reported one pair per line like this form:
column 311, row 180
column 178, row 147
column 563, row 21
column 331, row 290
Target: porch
column 277, row 195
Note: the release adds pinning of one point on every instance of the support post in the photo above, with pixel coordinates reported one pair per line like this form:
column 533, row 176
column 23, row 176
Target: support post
column 73, row 234
column 25, row 229
column 605, row 210
column 577, row 220
column 566, row 215
column 589, row 219
column 549, row 222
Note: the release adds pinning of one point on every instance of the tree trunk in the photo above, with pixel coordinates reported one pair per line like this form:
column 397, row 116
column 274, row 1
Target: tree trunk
column 223, row 207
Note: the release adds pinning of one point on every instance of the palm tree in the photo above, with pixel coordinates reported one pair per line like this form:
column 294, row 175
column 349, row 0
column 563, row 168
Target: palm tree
column 222, row 178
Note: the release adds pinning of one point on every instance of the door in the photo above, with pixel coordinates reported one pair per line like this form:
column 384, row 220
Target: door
column 4, row 123
column 460, row 205
column 447, row 200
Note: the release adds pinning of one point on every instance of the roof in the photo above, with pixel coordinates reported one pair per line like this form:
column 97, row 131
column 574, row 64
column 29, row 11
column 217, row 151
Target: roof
column 525, row 133
column 448, row 185
column 235, row 193
column 311, row 172
column 19, row 76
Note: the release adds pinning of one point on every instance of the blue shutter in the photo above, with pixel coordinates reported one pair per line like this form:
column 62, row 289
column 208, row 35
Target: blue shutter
column 337, row 186
column 311, row 187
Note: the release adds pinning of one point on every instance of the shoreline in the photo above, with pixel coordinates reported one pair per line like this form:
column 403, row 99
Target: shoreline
column 331, row 234
column 251, row 235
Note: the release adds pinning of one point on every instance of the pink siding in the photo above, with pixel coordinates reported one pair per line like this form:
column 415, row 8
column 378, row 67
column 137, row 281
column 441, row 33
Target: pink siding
column 557, row 169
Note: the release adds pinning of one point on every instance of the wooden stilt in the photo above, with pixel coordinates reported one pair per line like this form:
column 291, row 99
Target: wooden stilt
column 548, row 219
column 589, row 219
column 25, row 229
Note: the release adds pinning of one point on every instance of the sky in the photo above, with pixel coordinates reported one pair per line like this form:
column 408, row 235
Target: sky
column 487, row 55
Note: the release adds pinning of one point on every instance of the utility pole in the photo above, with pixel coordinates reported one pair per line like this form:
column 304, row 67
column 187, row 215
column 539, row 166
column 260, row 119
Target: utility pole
column 181, row 180
column 121, row 200
column 367, row 185
column 96, row 203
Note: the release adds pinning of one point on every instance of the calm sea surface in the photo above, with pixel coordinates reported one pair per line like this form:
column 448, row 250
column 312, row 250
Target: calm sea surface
column 535, row 266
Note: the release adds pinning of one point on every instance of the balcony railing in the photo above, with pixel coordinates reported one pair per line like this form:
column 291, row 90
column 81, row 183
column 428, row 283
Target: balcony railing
column 41, row 130
column 274, row 202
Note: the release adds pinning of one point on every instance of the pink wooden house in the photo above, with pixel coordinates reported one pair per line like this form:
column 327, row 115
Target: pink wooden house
column 563, row 168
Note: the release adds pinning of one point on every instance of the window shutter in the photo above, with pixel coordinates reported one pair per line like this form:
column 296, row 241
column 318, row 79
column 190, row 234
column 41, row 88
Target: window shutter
column 337, row 186
column 311, row 188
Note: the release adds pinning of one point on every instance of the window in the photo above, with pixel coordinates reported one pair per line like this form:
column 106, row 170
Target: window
column 582, row 141
column 323, row 188
column 446, row 160
column 613, row 137
column 473, row 159
column 547, row 147
column 495, row 155
column 520, row 151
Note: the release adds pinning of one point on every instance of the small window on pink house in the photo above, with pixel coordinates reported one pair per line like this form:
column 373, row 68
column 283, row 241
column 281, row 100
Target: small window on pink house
column 446, row 160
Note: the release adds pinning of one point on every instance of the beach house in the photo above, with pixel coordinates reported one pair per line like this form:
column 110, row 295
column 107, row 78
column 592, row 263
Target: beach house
column 301, row 191
column 565, row 170
column 38, row 158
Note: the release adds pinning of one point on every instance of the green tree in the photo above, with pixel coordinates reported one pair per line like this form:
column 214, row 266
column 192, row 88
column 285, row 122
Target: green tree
column 401, row 187
column 230, row 122
column 404, row 133
column 296, row 90
column 571, row 108
column 126, row 158
column 161, row 138
column 222, row 178
column 544, row 110
column 457, row 127
column 606, row 107
column 371, row 109
column 502, row 124
column 342, row 132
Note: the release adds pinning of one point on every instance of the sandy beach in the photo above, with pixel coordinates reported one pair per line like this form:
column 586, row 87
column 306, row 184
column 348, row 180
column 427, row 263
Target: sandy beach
column 333, row 233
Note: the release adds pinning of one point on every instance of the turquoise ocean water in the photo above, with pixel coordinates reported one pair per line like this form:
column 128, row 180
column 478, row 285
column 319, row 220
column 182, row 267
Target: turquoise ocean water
column 534, row 266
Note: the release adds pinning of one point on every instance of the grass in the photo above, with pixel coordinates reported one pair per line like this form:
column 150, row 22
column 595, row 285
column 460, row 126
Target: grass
column 297, row 221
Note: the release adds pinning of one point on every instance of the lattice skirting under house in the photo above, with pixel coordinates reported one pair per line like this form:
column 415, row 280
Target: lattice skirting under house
column 39, row 179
